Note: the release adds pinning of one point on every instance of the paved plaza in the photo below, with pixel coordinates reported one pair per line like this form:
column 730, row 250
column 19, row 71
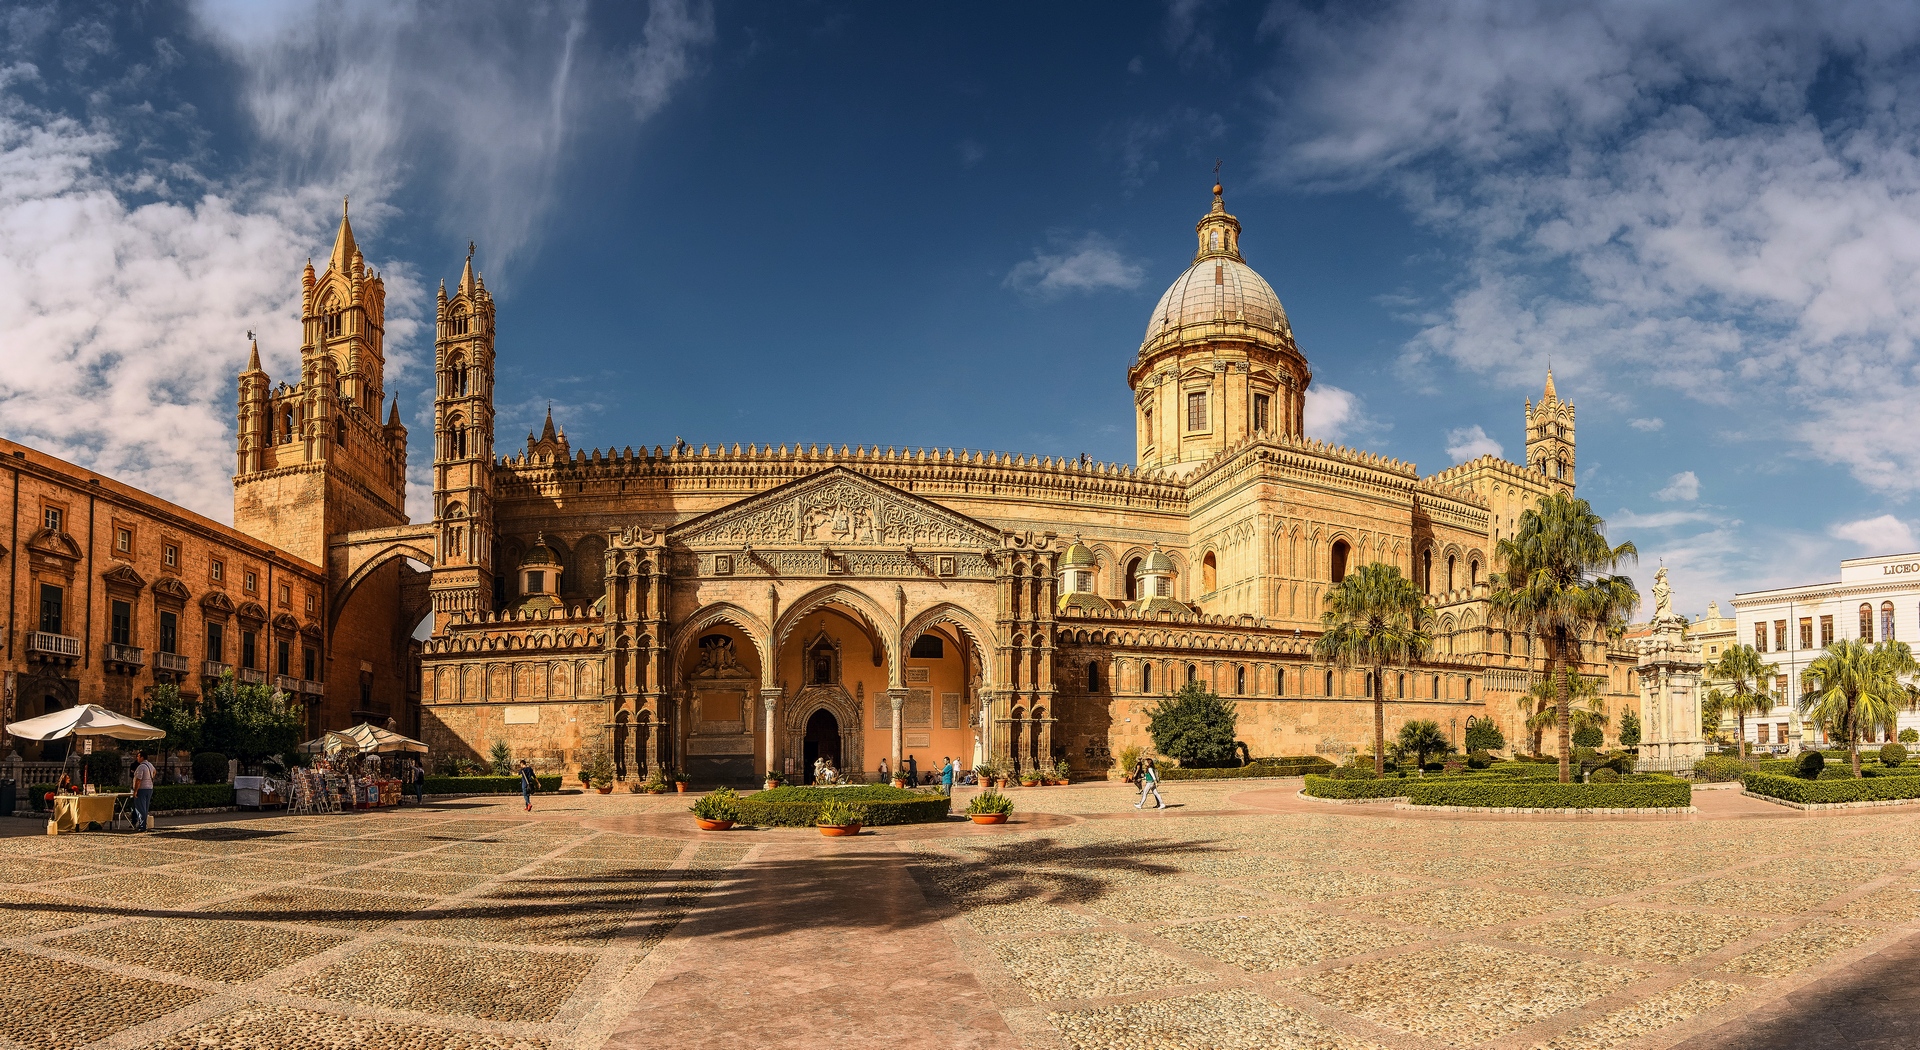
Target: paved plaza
column 1243, row 917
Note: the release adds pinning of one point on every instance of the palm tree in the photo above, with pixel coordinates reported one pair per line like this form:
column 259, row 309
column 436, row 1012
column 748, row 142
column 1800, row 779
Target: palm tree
column 1537, row 707
column 1375, row 618
column 1854, row 687
column 1741, row 667
column 1711, row 707
column 1558, row 578
column 1585, row 706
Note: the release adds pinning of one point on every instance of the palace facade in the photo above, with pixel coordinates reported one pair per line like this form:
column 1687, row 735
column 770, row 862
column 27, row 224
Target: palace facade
column 726, row 609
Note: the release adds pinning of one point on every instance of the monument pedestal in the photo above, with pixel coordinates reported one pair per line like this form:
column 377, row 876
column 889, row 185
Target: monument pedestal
column 1669, row 674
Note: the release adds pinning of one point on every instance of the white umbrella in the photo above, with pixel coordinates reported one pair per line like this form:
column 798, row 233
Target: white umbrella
column 85, row 720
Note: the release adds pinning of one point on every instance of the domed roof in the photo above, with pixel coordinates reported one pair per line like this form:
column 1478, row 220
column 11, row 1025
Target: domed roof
column 1078, row 556
column 540, row 555
column 1157, row 561
column 1219, row 296
column 1083, row 601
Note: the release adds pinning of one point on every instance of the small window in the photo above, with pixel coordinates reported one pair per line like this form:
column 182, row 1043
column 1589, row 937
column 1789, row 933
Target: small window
column 1162, row 586
column 171, row 555
column 1240, row 681
column 1402, row 687
column 1886, row 621
column 1083, row 581
column 1866, row 623
column 1193, row 674
column 120, row 625
column 536, row 581
column 216, row 642
column 1780, row 636
column 1261, row 414
column 1760, row 637
column 52, row 518
column 169, row 633
column 286, row 595
column 1197, row 410
column 1806, row 632
column 1329, row 683
column 1146, row 425
column 308, row 663
column 123, row 540
column 927, row 647
column 219, row 570
column 283, row 658
column 309, row 603
column 1146, row 677
column 253, row 582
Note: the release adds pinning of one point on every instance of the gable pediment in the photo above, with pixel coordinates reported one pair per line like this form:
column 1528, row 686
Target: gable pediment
column 124, row 576
column 56, row 544
column 837, row 507
column 217, row 604
column 167, row 586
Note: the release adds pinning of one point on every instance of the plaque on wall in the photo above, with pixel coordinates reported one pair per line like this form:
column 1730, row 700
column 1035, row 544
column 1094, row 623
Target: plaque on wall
column 949, row 710
column 919, row 708
column 919, row 675
column 918, row 740
column 882, row 712
column 521, row 714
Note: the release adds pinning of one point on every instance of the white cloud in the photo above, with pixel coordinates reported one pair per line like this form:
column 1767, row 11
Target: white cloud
column 1089, row 264
column 1645, row 192
column 675, row 33
column 1647, row 425
column 1682, row 486
column 1465, row 443
column 1885, row 534
column 1337, row 416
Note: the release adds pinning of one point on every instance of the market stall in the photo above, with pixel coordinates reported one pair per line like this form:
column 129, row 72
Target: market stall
column 84, row 808
column 353, row 769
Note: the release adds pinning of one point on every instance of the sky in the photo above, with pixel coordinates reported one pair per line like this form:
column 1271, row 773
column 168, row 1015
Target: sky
column 927, row 225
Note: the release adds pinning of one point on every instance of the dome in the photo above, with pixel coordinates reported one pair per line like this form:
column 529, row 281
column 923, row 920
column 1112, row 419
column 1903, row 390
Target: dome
column 540, row 555
column 1082, row 601
column 1214, row 292
column 1078, row 556
column 1157, row 561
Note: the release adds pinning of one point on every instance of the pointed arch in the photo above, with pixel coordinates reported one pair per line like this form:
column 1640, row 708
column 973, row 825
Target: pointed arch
column 713, row 615
column 968, row 624
column 862, row 606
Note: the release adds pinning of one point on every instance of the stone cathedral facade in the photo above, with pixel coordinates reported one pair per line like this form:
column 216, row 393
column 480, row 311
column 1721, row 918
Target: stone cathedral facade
column 727, row 609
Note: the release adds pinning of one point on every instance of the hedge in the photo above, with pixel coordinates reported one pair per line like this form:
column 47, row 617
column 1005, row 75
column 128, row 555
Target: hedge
column 485, row 785
column 798, row 807
column 1817, row 792
column 1286, row 767
column 165, row 796
column 1637, row 794
column 1384, row 787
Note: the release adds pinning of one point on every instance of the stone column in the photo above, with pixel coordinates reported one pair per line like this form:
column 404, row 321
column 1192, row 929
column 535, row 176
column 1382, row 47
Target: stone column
column 769, row 703
column 1669, row 671
column 898, row 698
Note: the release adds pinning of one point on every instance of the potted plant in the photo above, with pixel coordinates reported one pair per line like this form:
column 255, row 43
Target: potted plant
column 985, row 772
column 837, row 818
column 1029, row 778
column 989, row 807
column 1061, row 773
column 773, row 780
column 586, row 776
column 600, row 773
column 716, row 810
column 657, row 783
column 897, row 779
column 681, row 781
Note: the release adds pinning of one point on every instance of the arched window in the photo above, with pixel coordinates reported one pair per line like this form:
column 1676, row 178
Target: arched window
column 1133, row 581
column 1866, row 623
column 1426, row 571
column 1436, row 687
column 1146, row 677
column 1886, row 621
column 1337, row 568
column 459, row 326
column 457, row 376
column 456, row 437
column 340, row 432
column 1209, row 574
column 1329, row 683
column 1449, row 572
column 1093, row 676
column 286, row 425
column 1469, row 686
column 1403, row 687
column 1240, row 681
column 1193, row 674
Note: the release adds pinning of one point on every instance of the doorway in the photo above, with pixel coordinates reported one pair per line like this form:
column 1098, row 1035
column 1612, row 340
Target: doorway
column 822, row 741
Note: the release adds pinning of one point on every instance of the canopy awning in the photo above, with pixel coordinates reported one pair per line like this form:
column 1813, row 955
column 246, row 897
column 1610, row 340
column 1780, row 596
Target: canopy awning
column 366, row 738
column 85, row 720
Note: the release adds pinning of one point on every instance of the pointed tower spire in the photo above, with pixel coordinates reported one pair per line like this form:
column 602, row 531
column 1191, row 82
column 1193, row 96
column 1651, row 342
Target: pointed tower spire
column 253, row 356
column 466, row 275
column 343, row 247
column 393, row 418
column 546, row 432
column 1549, row 395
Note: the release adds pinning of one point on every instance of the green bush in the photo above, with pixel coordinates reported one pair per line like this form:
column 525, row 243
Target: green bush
column 1810, row 765
column 1604, row 775
column 1588, row 736
column 485, row 785
column 1352, row 773
column 1910, row 736
column 1629, row 728
column 1719, row 769
column 1194, row 726
column 799, row 807
column 500, row 759
column 1484, row 735
column 722, row 804
column 1663, row 792
column 1795, row 789
column 1342, row 787
column 191, row 796
column 209, row 767
column 990, row 803
column 1259, row 767
column 1892, row 754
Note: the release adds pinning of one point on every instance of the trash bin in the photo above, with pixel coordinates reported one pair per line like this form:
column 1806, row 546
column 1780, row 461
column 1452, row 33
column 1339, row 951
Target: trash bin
column 8, row 797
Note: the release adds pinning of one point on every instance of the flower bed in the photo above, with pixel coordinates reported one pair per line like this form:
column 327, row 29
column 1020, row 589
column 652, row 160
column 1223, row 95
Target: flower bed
column 1263, row 767
column 1829, row 792
column 485, row 785
column 1661, row 793
column 799, row 807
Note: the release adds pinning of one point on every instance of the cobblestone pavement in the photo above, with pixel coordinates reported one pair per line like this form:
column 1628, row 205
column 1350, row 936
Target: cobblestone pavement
column 1240, row 918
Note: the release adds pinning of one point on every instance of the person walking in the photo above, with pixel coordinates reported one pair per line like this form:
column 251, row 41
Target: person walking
column 1149, row 778
column 527, row 783
column 913, row 772
column 419, row 771
column 142, row 790
column 946, row 776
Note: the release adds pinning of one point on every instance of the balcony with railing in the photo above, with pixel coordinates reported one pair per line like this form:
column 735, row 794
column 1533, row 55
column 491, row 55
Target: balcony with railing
column 286, row 683
column 312, row 688
column 45, row 645
column 252, row 676
column 172, row 663
column 128, row 657
column 214, row 668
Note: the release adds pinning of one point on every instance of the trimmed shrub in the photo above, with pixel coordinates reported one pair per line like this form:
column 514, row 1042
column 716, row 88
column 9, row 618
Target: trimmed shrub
column 191, row 796
column 878, row 804
column 1479, row 759
column 1892, row 754
column 1910, row 736
column 1664, row 792
column 1383, row 787
column 209, row 767
column 1259, row 767
column 1604, row 775
column 1813, row 792
column 1810, row 765
column 1194, row 726
column 1352, row 773
column 1483, row 735
column 1588, row 736
column 1719, row 769
column 485, row 785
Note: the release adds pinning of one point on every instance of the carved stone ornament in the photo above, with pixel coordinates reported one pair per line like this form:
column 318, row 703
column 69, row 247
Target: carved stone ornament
column 836, row 508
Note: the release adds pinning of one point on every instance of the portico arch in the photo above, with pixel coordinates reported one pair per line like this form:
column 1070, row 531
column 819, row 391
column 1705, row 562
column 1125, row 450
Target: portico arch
column 711, row 616
column 883, row 627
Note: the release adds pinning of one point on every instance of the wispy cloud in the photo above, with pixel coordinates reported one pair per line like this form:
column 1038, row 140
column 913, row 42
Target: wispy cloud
column 1465, row 443
column 1683, row 486
column 1663, row 519
column 1090, row 263
column 1647, row 425
column 1339, row 416
column 1885, row 534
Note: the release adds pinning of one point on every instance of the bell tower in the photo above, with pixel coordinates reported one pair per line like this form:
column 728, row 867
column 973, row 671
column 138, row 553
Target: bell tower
column 1550, row 437
column 463, row 575
column 314, row 458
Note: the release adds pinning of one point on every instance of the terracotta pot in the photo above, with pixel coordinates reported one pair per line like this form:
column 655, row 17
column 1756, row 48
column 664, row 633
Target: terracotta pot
column 712, row 825
column 900, row 784
column 834, row 831
column 771, row 784
column 680, row 786
column 988, row 818
column 608, row 790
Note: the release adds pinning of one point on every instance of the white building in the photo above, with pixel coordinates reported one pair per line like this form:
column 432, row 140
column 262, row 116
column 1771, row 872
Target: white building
column 1875, row 599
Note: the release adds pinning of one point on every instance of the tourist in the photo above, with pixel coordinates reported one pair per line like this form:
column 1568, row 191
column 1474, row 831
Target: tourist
column 883, row 771
column 527, row 783
column 417, row 773
column 1149, row 782
column 946, row 775
column 913, row 772
column 142, row 790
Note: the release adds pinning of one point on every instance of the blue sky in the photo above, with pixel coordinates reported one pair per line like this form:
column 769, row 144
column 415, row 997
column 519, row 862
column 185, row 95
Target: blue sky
column 944, row 225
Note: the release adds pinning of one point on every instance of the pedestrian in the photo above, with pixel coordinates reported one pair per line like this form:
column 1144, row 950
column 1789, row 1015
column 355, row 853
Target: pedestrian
column 142, row 790
column 419, row 782
column 946, row 775
column 527, row 783
column 884, row 775
column 913, row 772
column 1149, row 783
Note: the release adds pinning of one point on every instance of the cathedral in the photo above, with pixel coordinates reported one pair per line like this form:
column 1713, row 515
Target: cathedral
column 727, row 610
